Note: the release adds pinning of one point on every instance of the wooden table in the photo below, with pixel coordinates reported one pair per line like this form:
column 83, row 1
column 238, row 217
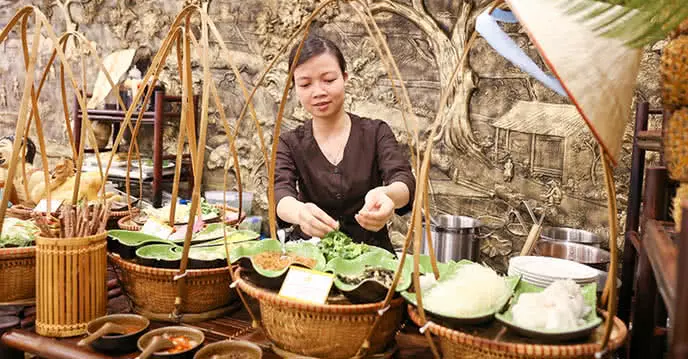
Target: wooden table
column 237, row 326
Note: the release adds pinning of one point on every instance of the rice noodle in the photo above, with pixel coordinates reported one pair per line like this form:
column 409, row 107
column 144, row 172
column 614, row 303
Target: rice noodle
column 473, row 289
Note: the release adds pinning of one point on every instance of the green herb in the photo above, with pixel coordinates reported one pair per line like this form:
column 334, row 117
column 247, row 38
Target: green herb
column 207, row 208
column 338, row 244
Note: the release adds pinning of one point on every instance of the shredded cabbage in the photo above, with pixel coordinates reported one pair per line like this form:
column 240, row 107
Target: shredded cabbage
column 18, row 233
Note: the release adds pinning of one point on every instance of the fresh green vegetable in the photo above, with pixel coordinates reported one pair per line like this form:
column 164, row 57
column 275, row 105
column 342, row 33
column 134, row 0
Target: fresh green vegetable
column 338, row 244
column 207, row 208
column 18, row 233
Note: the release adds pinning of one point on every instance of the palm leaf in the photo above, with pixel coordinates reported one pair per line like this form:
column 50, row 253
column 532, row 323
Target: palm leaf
column 636, row 22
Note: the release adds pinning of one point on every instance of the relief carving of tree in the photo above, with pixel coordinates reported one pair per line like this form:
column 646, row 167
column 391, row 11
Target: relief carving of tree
column 454, row 129
column 584, row 141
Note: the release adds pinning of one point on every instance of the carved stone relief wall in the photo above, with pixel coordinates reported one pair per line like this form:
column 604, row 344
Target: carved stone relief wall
column 504, row 139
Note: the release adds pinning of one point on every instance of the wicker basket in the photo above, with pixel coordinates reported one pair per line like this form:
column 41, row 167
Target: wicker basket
column 115, row 216
column 71, row 285
column 17, row 274
column 456, row 344
column 323, row 331
column 127, row 224
column 153, row 290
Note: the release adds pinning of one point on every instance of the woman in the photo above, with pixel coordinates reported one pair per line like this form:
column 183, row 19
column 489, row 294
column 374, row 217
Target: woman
column 338, row 171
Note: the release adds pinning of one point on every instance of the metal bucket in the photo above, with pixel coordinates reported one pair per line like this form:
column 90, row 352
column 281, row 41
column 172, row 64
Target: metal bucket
column 454, row 238
column 588, row 255
column 564, row 234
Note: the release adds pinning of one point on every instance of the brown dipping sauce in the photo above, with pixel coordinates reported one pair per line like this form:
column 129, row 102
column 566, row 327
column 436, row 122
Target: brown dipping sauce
column 274, row 260
column 181, row 343
column 128, row 329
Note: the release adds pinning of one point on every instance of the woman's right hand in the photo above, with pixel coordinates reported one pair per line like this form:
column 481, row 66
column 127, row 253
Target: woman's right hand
column 315, row 222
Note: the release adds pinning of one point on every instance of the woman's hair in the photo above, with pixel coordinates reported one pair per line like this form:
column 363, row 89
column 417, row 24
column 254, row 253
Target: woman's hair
column 30, row 148
column 315, row 46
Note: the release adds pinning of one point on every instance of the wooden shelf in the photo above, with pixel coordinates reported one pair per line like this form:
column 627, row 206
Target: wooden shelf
column 663, row 255
column 155, row 118
column 650, row 140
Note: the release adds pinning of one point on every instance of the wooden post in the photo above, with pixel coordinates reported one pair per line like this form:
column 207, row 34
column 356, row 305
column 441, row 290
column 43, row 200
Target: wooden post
column 679, row 340
column 632, row 215
column 656, row 194
column 643, row 314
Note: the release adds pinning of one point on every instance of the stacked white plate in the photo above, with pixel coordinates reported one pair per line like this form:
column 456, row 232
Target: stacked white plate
column 542, row 271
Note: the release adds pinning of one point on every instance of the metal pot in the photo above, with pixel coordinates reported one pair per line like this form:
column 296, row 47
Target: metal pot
column 454, row 238
column 564, row 234
column 588, row 255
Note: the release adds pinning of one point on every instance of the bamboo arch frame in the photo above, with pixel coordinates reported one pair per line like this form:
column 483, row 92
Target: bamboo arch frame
column 182, row 37
column 422, row 199
column 32, row 95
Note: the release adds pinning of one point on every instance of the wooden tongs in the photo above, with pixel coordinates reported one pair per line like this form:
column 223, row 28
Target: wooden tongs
column 534, row 233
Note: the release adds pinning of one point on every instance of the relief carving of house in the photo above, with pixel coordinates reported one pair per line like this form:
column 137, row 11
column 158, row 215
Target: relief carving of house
column 539, row 136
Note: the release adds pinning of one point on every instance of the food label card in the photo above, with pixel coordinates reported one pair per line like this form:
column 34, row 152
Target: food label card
column 42, row 206
column 157, row 228
column 306, row 285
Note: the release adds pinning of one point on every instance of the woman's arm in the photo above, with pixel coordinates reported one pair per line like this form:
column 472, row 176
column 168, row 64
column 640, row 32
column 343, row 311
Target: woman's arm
column 312, row 220
column 380, row 202
column 398, row 192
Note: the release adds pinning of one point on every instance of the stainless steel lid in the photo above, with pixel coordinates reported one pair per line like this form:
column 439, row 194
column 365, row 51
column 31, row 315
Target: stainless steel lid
column 449, row 223
column 570, row 235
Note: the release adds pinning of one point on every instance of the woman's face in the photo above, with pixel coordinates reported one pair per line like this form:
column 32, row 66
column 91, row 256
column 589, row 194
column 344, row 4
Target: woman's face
column 319, row 85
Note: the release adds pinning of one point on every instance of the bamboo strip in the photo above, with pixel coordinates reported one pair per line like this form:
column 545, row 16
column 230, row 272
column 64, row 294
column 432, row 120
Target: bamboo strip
column 40, row 290
column 82, row 287
column 610, row 286
column 230, row 139
column 180, row 141
column 51, row 278
column 22, row 117
column 62, row 270
column 41, row 20
column 198, row 170
column 68, row 288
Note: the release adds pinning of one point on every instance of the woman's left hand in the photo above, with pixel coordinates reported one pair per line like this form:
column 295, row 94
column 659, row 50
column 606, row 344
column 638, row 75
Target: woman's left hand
column 376, row 211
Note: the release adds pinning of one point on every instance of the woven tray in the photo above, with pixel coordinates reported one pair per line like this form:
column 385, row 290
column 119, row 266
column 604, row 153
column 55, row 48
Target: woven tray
column 457, row 344
column 323, row 331
column 153, row 290
column 17, row 274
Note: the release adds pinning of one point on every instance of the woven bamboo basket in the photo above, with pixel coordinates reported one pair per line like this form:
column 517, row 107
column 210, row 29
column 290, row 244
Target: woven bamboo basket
column 71, row 284
column 323, row 331
column 17, row 274
column 153, row 290
column 461, row 345
column 115, row 216
column 127, row 224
